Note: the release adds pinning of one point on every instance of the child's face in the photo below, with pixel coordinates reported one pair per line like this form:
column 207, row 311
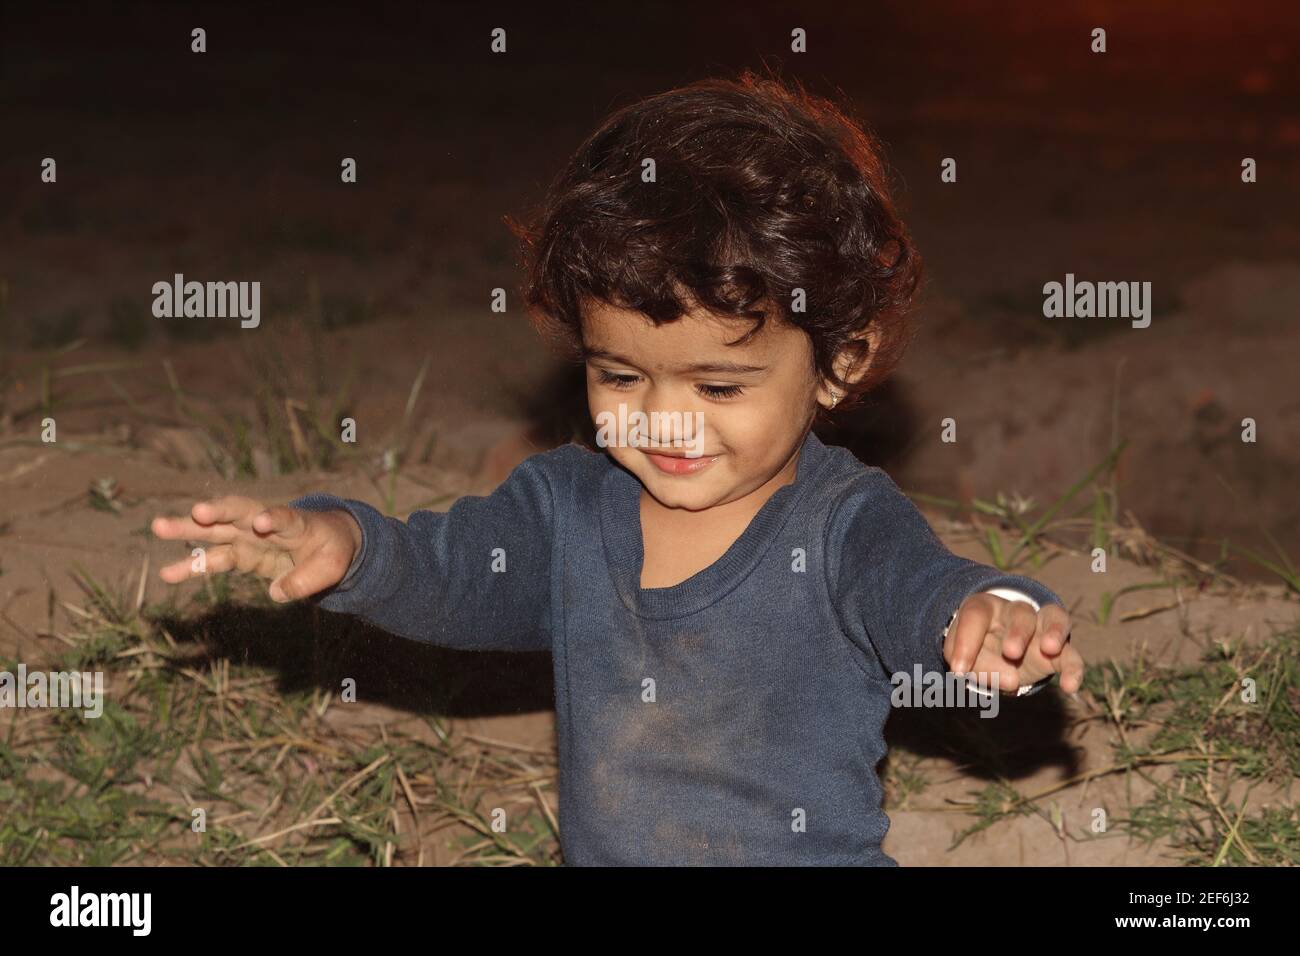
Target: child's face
column 753, row 403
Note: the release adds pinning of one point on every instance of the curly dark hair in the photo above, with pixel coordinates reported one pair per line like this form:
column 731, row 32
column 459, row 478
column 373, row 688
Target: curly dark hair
column 760, row 189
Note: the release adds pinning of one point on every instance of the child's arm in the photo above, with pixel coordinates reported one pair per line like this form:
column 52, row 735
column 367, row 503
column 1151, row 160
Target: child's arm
column 896, row 586
column 476, row 577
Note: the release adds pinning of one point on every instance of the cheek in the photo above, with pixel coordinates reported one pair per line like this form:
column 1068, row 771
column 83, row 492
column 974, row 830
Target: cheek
column 781, row 406
column 601, row 398
column 761, row 432
column 746, row 433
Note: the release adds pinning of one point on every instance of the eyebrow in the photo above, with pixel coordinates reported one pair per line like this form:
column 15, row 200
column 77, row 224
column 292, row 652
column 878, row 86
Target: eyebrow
column 734, row 368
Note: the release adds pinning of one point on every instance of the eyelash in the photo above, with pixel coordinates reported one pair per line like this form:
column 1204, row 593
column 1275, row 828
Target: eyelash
column 720, row 392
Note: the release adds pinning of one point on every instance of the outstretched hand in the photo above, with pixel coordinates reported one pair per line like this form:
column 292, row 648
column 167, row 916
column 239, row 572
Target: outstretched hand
column 301, row 552
column 992, row 635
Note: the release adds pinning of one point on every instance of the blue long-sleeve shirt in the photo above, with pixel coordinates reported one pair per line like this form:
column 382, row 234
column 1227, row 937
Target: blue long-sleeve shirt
column 734, row 718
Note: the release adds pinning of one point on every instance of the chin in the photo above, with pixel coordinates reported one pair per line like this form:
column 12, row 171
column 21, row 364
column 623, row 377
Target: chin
column 676, row 493
column 678, row 499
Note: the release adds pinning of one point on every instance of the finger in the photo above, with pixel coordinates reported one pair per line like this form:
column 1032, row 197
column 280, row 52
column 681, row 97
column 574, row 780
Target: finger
column 966, row 634
column 215, row 560
column 991, row 665
column 1009, row 679
column 1071, row 667
column 1021, row 621
column 186, row 528
column 176, row 572
column 281, row 526
column 321, row 570
column 230, row 509
column 1069, row 664
column 1052, row 629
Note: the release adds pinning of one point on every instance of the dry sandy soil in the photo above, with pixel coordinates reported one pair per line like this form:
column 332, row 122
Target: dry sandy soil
column 50, row 528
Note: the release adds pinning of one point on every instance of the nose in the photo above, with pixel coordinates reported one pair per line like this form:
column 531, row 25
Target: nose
column 671, row 419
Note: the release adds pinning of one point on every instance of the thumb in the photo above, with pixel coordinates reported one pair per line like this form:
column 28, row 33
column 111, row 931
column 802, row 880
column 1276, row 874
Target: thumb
column 318, row 572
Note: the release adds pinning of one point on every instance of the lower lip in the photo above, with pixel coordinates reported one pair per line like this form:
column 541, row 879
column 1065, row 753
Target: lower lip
column 671, row 465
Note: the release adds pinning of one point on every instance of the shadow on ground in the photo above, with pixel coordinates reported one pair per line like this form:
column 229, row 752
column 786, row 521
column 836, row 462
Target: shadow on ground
column 308, row 648
column 1026, row 736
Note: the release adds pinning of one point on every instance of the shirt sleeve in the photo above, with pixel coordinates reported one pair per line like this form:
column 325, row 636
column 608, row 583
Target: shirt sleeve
column 894, row 583
column 476, row 577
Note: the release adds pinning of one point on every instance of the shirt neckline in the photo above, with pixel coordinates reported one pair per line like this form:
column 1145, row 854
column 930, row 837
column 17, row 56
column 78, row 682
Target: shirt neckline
column 620, row 522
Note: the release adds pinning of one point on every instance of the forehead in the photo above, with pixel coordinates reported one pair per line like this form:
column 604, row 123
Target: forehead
column 698, row 335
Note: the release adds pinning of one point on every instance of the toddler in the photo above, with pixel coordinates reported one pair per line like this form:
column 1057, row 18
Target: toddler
column 729, row 602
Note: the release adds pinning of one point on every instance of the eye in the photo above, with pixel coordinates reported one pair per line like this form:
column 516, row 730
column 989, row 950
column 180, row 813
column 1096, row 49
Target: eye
column 720, row 391
column 606, row 377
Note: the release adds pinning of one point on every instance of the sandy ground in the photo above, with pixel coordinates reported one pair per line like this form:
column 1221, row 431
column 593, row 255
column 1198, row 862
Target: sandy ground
column 51, row 529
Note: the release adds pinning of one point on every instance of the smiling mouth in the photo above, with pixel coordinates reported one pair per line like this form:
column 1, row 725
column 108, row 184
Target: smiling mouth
column 672, row 463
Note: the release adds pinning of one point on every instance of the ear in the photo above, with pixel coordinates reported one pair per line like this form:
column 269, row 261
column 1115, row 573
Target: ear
column 849, row 370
